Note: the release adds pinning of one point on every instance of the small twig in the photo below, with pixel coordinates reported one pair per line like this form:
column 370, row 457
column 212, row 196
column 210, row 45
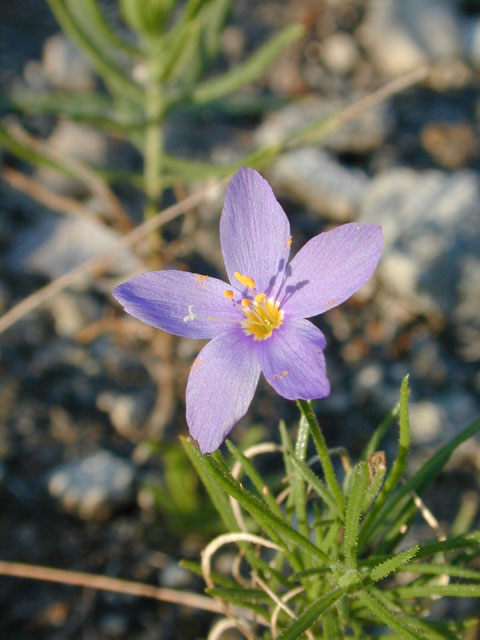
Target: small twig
column 105, row 583
column 103, row 262
column 92, row 180
column 219, row 627
column 428, row 516
column 271, row 594
column 207, row 554
column 312, row 133
column 45, row 196
column 285, row 598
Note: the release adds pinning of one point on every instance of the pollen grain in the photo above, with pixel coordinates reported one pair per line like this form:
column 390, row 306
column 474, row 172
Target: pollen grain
column 247, row 281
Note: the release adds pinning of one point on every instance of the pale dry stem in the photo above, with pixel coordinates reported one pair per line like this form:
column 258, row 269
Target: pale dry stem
column 104, row 261
column 105, row 583
column 46, row 197
column 90, row 177
column 207, row 554
column 285, row 598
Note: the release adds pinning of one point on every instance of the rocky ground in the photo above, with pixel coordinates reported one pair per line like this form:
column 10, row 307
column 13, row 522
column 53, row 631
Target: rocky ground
column 91, row 402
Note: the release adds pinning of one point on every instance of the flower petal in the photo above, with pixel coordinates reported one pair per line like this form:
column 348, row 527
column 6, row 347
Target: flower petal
column 220, row 388
column 330, row 268
column 186, row 304
column 254, row 231
column 292, row 361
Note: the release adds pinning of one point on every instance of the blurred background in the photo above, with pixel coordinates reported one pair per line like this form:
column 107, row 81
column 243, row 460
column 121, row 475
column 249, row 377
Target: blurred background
column 94, row 139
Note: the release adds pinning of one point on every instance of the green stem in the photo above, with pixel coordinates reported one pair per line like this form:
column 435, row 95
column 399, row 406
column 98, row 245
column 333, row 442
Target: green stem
column 298, row 484
column 306, row 409
column 153, row 150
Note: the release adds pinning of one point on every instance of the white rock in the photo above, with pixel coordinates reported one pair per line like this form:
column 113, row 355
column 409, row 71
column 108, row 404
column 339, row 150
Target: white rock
column 471, row 32
column 65, row 67
column 93, row 486
column 401, row 35
column 431, row 256
column 426, row 420
column 314, row 178
column 73, row 141
column 359, row 136
column 57, row 244
column 339, row 53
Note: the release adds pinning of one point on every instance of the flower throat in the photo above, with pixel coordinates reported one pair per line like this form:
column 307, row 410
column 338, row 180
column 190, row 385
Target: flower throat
column 262, row 314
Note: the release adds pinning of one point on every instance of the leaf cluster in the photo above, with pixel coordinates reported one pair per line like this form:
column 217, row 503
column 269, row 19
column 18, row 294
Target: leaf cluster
column 339, row 544
column 155, row 65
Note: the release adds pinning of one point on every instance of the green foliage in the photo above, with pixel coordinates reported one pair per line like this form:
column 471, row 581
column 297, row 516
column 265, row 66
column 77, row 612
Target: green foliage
column 332, row 568
column 160, row 67
column 177, row 496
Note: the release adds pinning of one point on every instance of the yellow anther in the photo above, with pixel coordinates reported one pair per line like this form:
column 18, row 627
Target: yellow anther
column 260, row 297
column 245, row 302
column 247, row 281
column 228, row 294
column 289, row 241
column 262, row 318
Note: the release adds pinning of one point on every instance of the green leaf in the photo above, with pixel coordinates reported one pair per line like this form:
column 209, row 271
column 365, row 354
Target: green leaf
column 399, row 465
column 276, row 528
column 107, row 67
column 181, row 61
column 147, row 17
column 310, row 615
column 392, row 616
column 380, row 432
column 321, row 446
column 353, row 512
column 450, row 590
column 247, row 71
column 228, row 595
column 239, row 594
column 331, row 626
column 105, row 31
column 317, row 485
column 213, row 20
column 441, row 569
column 297, row 484
column 222, row 504
column 419, row 481
column 288, row 454
column 22, row 151
column 383, row 569
column 258, row 482
column 217, row 496
column 218, row 578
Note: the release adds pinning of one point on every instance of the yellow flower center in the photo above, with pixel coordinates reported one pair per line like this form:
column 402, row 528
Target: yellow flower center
column 262, row 316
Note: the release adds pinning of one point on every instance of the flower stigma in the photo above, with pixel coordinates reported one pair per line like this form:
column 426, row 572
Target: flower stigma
column 263, row 316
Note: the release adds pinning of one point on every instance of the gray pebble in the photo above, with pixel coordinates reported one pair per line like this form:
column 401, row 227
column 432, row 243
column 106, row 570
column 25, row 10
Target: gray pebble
column 399, row 36
column 431, row 256
column 314, row 178
column 94, row 486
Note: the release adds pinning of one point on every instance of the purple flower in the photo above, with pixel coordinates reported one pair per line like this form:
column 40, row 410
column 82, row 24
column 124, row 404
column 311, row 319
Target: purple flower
column 257, row 322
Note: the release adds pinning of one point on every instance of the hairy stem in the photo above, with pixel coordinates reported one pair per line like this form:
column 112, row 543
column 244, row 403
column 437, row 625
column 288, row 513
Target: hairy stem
column 306, row 409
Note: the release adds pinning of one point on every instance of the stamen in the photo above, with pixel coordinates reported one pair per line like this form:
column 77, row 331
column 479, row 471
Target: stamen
column 228, row 294
column 247, row 281
column 262, row 318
